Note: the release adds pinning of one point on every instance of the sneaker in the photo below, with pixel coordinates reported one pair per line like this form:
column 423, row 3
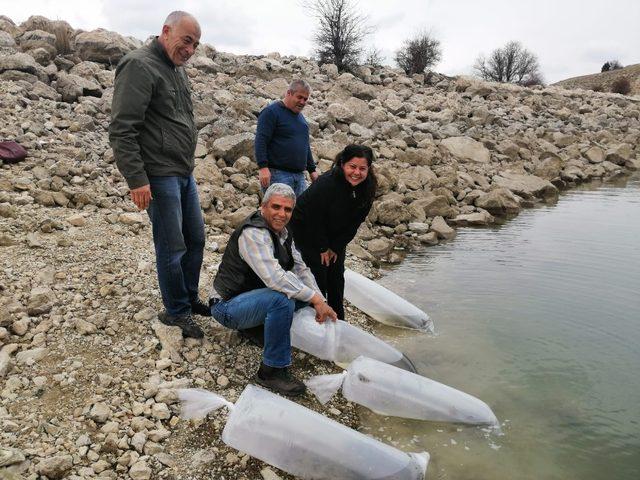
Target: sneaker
column 254, row 335
column 280, row 381
column 200, row 308
column 185, row 322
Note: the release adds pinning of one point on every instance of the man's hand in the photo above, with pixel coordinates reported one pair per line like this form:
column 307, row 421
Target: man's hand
column 141, row 196
column 323, row 310
column 313, row 176
column 264, row 175
column 328, row 257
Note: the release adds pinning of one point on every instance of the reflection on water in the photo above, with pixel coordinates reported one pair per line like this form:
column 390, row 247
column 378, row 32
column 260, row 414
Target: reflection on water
column 540, row 318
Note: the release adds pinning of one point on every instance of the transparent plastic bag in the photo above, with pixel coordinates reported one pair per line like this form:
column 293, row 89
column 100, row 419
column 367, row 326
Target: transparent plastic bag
column 388, row 390
column 382, row 304
column 197, row 402
column 339, row 341
column 309, row 445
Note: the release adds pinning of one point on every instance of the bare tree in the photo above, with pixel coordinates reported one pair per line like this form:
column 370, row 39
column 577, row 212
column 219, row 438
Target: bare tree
column 512, row 63
column 373, row 57
column 419, row 53
column 340, row 33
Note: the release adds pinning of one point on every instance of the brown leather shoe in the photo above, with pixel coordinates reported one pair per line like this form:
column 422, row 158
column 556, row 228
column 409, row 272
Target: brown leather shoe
column 280, row 381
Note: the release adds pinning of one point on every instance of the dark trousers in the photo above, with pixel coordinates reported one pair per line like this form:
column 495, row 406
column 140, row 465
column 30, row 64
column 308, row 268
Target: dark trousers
column 178, row 237
column 330, row 279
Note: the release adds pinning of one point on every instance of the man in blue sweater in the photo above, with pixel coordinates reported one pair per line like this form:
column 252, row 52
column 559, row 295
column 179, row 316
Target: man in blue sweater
column 282, row 145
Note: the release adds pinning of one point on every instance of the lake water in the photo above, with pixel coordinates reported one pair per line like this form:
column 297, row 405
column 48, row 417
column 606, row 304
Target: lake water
column 540, row 318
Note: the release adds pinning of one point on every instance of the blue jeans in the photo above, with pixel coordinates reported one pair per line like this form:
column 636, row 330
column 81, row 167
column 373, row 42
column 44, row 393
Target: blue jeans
column 178, row 237
column 294, row 180
column 258, row 307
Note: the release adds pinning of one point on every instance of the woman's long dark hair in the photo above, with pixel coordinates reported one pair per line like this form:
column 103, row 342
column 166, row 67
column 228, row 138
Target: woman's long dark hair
column 361, row 151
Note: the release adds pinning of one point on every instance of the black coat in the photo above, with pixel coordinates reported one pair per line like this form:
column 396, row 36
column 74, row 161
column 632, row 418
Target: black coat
column 329, row 212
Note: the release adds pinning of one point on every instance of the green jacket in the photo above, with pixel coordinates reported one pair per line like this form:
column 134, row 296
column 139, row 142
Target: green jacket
column 152, row 130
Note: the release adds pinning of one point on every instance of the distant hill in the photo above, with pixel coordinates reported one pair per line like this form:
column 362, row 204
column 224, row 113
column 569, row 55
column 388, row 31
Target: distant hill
column 603, row 81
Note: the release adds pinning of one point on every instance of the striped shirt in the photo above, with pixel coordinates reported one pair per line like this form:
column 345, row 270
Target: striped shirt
column 256, row 248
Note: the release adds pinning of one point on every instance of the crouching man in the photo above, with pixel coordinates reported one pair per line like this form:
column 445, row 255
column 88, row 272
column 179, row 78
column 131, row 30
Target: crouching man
column 262, row 280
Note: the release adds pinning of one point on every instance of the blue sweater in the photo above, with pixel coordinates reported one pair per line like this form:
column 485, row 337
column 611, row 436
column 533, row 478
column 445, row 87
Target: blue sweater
column 282, row 140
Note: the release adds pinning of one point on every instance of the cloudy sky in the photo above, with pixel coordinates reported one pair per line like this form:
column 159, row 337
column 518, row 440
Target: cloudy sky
column 570, row 37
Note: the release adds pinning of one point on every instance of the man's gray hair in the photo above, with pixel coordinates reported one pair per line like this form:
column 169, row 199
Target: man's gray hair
column 281, row 189
column 175, row 17
column 299, row 84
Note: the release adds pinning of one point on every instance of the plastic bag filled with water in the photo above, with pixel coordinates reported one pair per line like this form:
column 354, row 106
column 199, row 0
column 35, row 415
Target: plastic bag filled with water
column 382, row 304
column 307, row 444
column 340, row 342
column 388, row 390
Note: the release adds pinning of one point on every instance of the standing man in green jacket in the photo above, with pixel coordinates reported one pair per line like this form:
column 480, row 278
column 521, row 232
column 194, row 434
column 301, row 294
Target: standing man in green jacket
column 153, row 136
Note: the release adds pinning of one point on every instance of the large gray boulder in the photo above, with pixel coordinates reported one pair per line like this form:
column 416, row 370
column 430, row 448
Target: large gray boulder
column 233, row 147
column 391, row 212
column 73, row 86
column 204, row 64
column 379, row 247
column 416, row 178
column 10, row 456
column 34, row 39
column 6, row 40
column 418, row 156
column 466, row 149
column 274, row 88
column 340, row 113
column 549, row 166
column 500, row 201
column 595, row 154
column 55, row 467
column 619, row 154
column 7, row 25
column 36, row 22
column 86, row 69
column 527, row 186
column 18, row 61
column 436, row 205
column 102, row 46
column 442, row 230
column 475, row 218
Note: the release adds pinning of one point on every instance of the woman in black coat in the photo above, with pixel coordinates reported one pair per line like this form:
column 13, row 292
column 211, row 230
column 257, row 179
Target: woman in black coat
column 327, row 216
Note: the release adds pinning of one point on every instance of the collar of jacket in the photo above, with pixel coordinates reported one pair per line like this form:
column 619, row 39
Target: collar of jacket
column 159, row 49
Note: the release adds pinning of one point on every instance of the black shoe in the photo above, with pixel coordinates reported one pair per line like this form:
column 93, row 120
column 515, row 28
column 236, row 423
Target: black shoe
column 185, row 322
column 280, row 381
column 200, row 308
column 254, row 335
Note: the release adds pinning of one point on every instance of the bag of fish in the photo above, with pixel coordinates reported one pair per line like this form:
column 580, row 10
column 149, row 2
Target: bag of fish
column 387, row 390
column 300, row 441
column 340, row 342
column 382, row 304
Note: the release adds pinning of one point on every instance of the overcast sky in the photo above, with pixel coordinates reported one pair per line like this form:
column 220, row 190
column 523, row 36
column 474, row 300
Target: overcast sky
column 570, row 37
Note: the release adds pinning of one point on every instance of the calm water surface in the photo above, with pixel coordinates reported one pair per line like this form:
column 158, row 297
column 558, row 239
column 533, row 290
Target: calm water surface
column 540, row 318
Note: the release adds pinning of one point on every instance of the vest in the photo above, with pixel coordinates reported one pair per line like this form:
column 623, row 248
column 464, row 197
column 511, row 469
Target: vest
column 234, row 275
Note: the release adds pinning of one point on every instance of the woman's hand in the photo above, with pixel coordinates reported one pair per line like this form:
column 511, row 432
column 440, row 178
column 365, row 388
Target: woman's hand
column 326, row 258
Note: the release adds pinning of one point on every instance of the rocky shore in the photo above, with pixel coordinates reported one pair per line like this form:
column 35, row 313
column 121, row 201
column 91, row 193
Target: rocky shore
column 87, row 373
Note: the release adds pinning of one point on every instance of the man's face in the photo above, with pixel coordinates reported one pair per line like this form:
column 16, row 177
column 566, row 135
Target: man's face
column 296, row 100
column 277, row 212
column 181, row 40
